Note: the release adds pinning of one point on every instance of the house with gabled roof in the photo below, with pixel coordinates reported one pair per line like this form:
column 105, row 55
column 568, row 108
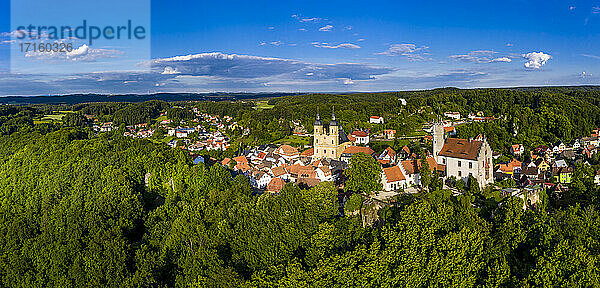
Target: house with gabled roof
column 280, row 172
column 260, row 179
column 275, row 185
column 323, row 173
column 393, row 179
column 411, row 169
column 517, row 149
column 404, row 152
column 287, row 152
column 352, row 150
column 376, row 120
column 562, row 174
column 359, row 137
column 388, row 155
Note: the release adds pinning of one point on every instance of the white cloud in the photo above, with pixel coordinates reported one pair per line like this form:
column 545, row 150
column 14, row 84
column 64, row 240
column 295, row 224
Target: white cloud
column 584, row 75
column 348, row 82
column 341, row 45
column 271, row 28
column 361, row 39
column 596, row 10
column 411, row 51
column 571, row 8
column 170, row 71
column 502, row 59
column 326, row 28
column 306, row 19
column 81, row 51
column 277, row 43
column 81, row 54
column 509, row 44
column 301, row 29
column 536, row 59
column 591, row 56
column 480, row 56
column 233, row 66
column 310, row 19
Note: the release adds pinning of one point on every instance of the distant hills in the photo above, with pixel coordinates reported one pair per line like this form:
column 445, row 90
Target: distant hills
column 222, row 96
column 169, row 97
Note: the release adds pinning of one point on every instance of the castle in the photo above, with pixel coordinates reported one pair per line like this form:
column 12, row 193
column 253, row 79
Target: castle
column 329, row 141
column 463, row 157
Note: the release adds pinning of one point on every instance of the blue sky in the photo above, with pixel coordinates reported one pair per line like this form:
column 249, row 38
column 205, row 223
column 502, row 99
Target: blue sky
column 256, row 46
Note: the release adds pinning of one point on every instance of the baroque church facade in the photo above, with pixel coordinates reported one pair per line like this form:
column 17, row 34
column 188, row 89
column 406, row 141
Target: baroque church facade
column 329, row 140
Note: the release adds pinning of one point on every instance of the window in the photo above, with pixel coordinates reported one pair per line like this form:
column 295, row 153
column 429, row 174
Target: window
column 331, row 141
column 459, row 173
column 459, row 163
column 470, row 165
column 317, row 140
column 444, row 161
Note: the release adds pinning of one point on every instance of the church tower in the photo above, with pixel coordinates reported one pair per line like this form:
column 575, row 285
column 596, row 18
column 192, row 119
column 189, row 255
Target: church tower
column 329, row 141
column 318, row 125
column 438, row 139
column 334, row 130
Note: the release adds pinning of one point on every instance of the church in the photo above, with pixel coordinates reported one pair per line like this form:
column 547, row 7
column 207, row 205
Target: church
column 329, row 141
column 463, row 157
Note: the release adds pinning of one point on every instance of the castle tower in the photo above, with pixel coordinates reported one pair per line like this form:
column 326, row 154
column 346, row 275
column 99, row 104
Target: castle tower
column 438, row 139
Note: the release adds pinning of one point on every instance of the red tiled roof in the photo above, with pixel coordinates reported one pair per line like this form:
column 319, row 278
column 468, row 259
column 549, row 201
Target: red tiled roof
column 360, row 134
column 293, row 169
column 275, row 185
column 393, row 174
column 409, row 165
column 225, row 161
column 243, row 167
column 461, row 148
column 307, row 172
column 310, row 182
column 278, row 171
column 308, row 152
column 288, row 150
column 358, row 149
column 390, row 152
column 241, row 159
column 325, row 170
column 406, row 149
column 449, row 129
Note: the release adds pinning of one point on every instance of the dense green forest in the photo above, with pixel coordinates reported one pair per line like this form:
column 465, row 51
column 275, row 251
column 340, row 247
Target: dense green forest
column 112, row 211
column 84, row 210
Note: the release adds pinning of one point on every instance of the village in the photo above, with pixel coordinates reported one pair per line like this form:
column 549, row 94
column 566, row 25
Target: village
column 269, row 167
